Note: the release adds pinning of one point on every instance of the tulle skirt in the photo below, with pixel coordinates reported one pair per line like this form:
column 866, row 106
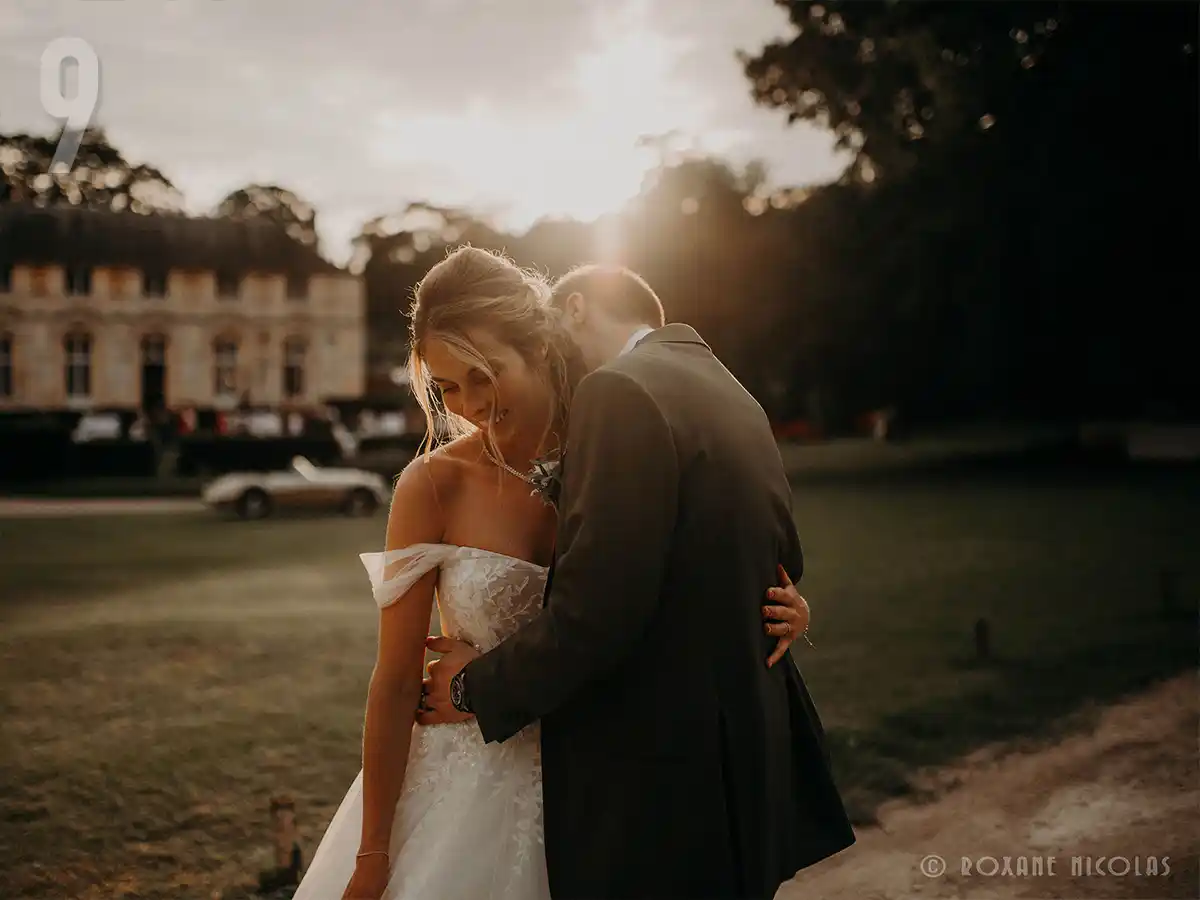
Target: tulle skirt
column 468, row 824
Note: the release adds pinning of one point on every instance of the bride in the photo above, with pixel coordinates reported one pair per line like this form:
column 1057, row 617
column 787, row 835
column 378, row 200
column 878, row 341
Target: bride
column 436, row 812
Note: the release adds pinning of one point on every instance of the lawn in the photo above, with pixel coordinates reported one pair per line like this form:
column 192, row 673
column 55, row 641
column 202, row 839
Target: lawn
column 162, row 677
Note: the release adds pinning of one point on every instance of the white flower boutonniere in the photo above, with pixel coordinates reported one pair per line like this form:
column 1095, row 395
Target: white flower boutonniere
column 546, row 478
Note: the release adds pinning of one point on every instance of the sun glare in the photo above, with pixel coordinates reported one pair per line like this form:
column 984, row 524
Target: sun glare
column 581, row 161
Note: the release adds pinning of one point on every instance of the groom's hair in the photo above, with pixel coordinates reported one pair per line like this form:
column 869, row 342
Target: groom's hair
column 621, row 291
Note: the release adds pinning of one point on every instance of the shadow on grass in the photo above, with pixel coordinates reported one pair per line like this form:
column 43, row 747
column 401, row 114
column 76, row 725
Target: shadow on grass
column 1034, row 700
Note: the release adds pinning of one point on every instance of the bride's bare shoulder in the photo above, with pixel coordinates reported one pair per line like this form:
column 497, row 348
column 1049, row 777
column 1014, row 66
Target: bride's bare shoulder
column 438, row 474
column 422, row 494
column 460, row 453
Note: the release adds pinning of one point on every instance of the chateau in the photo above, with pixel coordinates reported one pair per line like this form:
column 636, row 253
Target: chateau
column 108, row 310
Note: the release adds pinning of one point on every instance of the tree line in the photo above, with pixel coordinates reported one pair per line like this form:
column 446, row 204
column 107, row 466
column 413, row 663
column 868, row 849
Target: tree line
column 1014, row 237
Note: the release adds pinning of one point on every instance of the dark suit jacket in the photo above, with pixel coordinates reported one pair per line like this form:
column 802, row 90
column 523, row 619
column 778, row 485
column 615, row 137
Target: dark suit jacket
column 675, row 763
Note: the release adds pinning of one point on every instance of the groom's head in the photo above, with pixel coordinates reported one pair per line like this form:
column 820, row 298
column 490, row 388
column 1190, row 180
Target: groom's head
column 602, row 305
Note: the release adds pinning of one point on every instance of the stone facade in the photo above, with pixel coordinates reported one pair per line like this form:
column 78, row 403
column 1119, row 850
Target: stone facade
column 127, row 326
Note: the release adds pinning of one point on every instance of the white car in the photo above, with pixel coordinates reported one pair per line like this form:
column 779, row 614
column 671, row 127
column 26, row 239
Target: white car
column 255, row 495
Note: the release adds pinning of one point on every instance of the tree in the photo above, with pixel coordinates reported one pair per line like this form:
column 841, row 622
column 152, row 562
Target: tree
column 391, row 253
column 1005, row 186
column 706, row 236
column 689, row 233
column 296, row 217
column 100, row 178
column 892, row 79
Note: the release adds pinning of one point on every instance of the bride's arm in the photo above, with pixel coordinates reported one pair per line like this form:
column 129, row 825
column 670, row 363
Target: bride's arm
column 395, row 689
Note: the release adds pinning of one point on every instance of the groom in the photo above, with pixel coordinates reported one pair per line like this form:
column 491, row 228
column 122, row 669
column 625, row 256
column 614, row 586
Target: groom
column 689, row 769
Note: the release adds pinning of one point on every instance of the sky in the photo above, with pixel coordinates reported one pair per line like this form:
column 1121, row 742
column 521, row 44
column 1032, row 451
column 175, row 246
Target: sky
column 517, row 108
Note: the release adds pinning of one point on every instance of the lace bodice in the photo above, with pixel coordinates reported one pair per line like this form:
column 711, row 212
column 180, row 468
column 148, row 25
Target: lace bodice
column 483, row 596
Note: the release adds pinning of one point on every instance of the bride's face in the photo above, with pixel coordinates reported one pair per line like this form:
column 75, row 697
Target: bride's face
column 518, row 404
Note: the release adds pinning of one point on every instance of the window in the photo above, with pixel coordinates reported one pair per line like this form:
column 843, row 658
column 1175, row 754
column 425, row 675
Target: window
column 225, row 352
column 6, row 366
column 154, row 350
column 154, row 371
column 79, row 281
column 78, row 348
column 227, row 285
column 154, row 282
column 5, row 278
column 293, row 367
column 297, row 287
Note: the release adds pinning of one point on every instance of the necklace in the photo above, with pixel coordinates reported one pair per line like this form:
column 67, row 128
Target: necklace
column 527, row 477
column 522, row 475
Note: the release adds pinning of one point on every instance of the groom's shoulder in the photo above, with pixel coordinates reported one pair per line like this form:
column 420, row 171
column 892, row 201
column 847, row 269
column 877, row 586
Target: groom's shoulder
column 616, row 383
column 614, row 375
column 664, row 357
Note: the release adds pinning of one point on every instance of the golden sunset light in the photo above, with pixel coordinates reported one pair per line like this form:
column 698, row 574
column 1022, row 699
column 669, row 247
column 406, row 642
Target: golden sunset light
column 581, row 160
column 530, row 449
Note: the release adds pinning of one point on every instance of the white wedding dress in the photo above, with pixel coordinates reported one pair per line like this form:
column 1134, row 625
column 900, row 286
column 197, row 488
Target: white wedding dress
column 469, row 820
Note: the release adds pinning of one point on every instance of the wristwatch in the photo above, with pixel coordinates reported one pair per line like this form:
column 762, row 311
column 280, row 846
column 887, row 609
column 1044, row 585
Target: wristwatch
column 458, row 693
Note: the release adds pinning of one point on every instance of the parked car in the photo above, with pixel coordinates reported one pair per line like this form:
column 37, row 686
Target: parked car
column 255, row 495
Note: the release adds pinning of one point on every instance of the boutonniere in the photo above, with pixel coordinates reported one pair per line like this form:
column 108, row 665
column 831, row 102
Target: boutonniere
column 546, row 478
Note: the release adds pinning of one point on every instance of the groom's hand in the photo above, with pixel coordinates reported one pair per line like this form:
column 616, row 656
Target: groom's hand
column 436, row 708
column 787, row 616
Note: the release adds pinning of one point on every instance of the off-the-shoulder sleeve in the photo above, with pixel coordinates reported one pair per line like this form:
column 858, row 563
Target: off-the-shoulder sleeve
column 393, row 572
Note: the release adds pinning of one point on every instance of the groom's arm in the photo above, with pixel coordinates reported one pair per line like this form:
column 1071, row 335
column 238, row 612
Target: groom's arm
column 616, row 517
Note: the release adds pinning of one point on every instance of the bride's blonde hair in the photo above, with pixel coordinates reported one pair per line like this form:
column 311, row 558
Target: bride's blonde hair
column 478, row 289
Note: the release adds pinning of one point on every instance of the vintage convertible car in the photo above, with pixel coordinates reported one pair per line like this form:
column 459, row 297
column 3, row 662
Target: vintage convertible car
column 255, row 495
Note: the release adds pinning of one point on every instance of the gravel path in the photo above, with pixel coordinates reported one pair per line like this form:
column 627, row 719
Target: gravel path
column 1124, row 795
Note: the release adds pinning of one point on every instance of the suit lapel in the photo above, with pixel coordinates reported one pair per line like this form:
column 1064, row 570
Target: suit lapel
column 554, row 556
column 549, row 580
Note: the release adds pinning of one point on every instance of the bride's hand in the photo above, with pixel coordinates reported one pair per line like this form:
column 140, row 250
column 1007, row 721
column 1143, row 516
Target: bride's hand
column 786, row 614
column 370, row 878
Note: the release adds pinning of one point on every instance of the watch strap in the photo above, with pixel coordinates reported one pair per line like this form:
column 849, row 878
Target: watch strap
column 458, row 693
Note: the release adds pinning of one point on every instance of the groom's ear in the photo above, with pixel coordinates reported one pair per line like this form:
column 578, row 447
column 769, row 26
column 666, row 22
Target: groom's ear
column 575, row 308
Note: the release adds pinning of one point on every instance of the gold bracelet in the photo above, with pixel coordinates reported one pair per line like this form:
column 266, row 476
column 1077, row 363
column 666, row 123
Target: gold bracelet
column 373, row 853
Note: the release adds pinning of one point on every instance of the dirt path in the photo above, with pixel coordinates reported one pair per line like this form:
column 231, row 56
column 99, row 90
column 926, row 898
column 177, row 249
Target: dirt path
column 1128, row 791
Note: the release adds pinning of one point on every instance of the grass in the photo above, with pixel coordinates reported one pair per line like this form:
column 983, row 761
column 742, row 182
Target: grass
column 162, row 677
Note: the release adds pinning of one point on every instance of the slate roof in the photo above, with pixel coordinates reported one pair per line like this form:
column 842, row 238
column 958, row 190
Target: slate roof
column 88, row 237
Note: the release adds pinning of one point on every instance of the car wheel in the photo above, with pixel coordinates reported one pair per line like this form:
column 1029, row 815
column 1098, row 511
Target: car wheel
column 361, row 503
column 254, row 504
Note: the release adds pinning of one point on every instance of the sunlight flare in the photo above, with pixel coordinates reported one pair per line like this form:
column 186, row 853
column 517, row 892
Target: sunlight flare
column 581, row 164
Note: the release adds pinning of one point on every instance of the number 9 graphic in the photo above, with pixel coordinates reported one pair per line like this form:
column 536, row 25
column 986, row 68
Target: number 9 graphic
column 75, row 112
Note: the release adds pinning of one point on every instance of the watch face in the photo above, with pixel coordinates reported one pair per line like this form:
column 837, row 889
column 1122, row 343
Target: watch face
column 456, row 691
